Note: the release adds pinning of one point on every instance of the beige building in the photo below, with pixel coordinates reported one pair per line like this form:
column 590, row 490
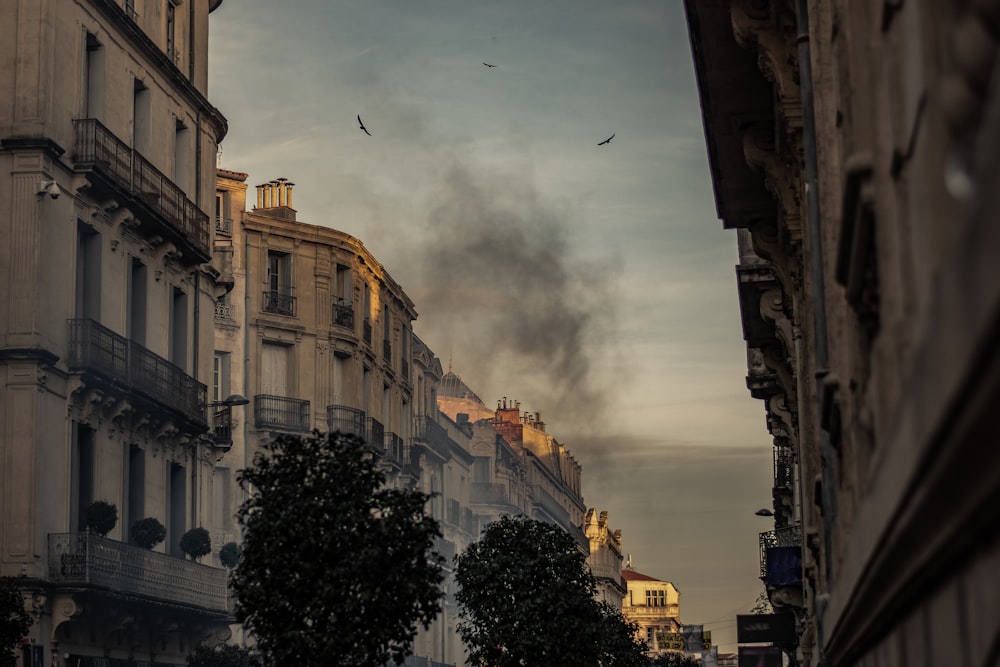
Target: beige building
column 107, row 143
column 654, row 605
column 854, row 148
column 605, row 558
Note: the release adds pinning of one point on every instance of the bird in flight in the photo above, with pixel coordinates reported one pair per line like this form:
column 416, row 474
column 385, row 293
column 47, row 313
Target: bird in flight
column 489, row 65
column 362, row 125
column 607, row 141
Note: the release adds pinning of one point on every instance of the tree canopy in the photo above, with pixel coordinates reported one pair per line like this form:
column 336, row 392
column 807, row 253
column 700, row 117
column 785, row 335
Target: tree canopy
column 336, row 568
column 527, row 598
column 14, row 622
column 223, row 655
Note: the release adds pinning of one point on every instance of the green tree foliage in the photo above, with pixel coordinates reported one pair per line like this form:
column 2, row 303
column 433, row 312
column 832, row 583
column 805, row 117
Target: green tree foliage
column 196, row 543
column 336, row 568
column 620, row 643
column 527, row 598
column 224, row 655
column 675, row 659
column 148, row 532
column 100, row 517
column 14, row 622
column 230, row 554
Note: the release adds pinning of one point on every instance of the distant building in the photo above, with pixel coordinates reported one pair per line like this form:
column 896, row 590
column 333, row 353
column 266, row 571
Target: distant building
column 106, row 154
column 855, row 148
column 653, row 604
column 605, row 559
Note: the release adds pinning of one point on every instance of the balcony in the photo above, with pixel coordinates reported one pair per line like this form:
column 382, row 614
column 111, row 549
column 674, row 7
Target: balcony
column 486, row 493
column 159, row 204
column 223, row 226
column 343, row 315
column 781, row 556
column 375, row 433
column 224, row 312
column 394, row 450
column 346, row 420
column 280, row 413
column 222, row 427
column 278, row 303
column 86, row 559
column 95, row 349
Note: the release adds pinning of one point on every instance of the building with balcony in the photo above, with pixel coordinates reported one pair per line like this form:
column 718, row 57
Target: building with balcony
column 853, row 146
column 655, row 606
column 107, row 146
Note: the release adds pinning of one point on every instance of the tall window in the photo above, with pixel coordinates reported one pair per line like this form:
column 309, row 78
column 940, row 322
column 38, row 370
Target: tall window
column 220, row 376
column 136, row 321
column 182, row 155
column 482, row 469
column 142, row 118
column 179, row 328
column 93, row 72
column 136, row 485
column 130, row 9
column 82, row 478
column 88, row 272
column 176, row 507
column 278, row 296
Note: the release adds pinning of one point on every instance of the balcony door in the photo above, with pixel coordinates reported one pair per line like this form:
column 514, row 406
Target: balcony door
column 274, row 380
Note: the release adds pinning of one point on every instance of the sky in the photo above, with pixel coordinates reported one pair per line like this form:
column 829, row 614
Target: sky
column 594, row 284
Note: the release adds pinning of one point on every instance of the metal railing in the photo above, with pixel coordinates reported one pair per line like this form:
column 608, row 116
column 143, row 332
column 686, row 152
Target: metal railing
column 343, row 315
column 98, row 147
column 91, row 560
column 375, row 432
column 224, row 226
column 279, row 303
column 224, row 311
column 222, row 426
column 346, row 420
column 93, row 347
column 394, row 449
column 785, row 537
column 279, row 412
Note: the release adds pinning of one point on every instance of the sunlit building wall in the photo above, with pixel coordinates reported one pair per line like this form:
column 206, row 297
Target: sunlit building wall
column 107, row 143
column 652, row 604
column 605, row 559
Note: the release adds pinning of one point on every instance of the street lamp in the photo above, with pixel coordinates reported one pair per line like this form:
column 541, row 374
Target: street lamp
column 764, row 512
column 222, row 419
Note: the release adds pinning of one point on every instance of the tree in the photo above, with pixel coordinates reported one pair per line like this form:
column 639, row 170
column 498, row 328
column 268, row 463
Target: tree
column 223, row 655
column 101, row 517
column 675, row 659
column 148, row 532
column 336, row 569
column 14, row 621
column 620, row 643
column 526, row 598
column 196, row 543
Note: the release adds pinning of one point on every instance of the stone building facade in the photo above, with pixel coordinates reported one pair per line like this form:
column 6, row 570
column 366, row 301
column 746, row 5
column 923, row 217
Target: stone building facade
column 652, row 604
column 854, row 148
column 107, row 143
column 605, row 557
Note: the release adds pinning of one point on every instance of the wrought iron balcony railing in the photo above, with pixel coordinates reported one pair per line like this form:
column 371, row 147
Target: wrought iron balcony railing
column 224, row 311
column 781, row 556
column 222, row 427
column 97, row 349
column 375, row 432
column 87, row 559
column 279, row 303
column 343, row 315
column 346, row 420
column 224, row 226
column 279, row 412
column 98, row 148
column 394, row 449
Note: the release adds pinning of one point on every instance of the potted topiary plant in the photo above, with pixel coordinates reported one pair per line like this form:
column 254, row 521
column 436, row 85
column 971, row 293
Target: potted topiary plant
column 196, row 543
column 148, row 532
column 100, row 517
column 230, row 554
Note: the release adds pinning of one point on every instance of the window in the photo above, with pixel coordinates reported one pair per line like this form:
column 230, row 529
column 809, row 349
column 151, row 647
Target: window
column 278, row 297
column 136, row 321
column 130, row 9
column 220, row 376
column 93, row 72
column 142, row 126
column 481, row 469
column 176, row 508
column 179, row 328
column 88, row 272
column 171, row 32
column 182, row 156
column 136, row 485
column 82, row 473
